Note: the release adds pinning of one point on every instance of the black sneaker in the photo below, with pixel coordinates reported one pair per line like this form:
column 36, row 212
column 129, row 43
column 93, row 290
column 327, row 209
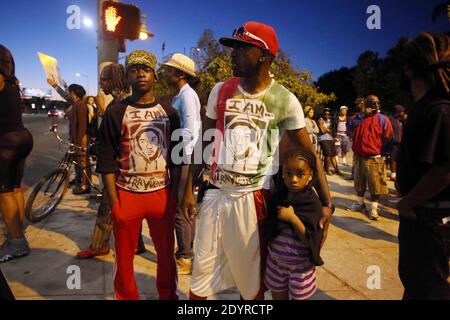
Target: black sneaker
column 13, row 248
column 141, row 247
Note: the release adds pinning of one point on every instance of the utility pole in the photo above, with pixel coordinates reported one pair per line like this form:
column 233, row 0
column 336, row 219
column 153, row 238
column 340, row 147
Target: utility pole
column 163, row 49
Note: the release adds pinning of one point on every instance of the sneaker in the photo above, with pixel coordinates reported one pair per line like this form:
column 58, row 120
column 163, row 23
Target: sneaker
column 141, row 247
column 357, row 207
column 89, row 253
column 373, row 215
column 184, row 266
column 13, row 248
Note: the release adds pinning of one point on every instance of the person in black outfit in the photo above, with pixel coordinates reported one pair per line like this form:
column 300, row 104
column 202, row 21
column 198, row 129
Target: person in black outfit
column 16, row 144
column 5, row 291
column 423, row 173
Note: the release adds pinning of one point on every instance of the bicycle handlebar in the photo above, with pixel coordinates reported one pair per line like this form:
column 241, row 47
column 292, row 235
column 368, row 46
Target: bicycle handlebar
column 54, row 130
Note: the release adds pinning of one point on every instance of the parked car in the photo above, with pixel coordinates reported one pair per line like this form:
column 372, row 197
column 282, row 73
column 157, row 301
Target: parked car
column 55, row 112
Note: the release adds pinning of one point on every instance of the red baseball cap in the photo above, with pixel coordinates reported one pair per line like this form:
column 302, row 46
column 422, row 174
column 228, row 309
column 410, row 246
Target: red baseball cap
column 255, row 33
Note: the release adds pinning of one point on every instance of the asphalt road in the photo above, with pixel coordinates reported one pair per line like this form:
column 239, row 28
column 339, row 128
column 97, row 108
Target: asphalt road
column 46, row 152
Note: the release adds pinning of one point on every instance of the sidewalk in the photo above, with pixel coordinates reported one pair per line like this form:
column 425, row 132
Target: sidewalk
column 354, row 244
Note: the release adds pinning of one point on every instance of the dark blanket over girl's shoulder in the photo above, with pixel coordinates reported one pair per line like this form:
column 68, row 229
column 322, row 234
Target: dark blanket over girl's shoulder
column 308, row 208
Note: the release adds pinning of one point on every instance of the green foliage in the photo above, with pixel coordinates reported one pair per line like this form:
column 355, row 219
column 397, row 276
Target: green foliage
column 213, row 66
column 299, row 82
column 219, row 69
column 161, row 86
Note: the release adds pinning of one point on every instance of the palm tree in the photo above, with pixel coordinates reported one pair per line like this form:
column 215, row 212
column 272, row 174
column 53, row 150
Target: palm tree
column 442, row 9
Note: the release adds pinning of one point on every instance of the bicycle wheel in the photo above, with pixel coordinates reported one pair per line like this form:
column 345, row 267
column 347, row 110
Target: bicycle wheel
column 46, row 195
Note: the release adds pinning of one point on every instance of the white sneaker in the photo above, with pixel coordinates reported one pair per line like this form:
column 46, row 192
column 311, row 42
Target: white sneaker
column 373, row 215
column 357, row 207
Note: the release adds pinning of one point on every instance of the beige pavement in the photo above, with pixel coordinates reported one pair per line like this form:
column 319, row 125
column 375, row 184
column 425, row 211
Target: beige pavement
column 356, row 248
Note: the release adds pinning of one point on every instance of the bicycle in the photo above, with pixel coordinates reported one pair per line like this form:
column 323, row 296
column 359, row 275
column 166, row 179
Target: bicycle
column 50, row 189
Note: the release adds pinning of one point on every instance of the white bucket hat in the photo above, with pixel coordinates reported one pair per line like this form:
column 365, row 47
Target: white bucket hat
column 181, row 62
column 343, row 107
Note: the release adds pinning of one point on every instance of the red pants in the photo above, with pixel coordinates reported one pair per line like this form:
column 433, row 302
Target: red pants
column 128, row 211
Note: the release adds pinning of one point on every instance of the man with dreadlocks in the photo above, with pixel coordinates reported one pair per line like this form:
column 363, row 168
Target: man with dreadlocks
column 423, row 171
column 113, row 81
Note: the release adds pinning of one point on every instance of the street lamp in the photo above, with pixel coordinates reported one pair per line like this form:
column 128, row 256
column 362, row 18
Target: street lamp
column 197, row 50
column 87, row 80
column 87, row 22
column 195, row 55
column 144, row 34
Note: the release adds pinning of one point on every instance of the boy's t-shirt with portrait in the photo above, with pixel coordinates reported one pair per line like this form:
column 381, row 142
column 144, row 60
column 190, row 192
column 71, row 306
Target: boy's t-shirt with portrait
column 135, row 144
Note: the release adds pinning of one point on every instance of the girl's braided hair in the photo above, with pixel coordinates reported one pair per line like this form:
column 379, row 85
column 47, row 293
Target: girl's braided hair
column 281, row 193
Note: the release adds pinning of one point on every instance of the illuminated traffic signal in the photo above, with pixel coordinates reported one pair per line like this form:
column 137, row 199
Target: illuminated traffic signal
column 121, row 20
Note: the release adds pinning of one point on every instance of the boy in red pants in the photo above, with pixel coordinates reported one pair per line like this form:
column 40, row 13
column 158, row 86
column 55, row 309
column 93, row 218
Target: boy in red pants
column 134, row 160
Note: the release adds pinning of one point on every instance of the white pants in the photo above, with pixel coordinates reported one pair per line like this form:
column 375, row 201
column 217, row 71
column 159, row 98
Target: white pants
column 226, row 245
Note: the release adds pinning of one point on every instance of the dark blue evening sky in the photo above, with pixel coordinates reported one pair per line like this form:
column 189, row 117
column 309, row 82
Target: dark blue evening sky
column 319, row 36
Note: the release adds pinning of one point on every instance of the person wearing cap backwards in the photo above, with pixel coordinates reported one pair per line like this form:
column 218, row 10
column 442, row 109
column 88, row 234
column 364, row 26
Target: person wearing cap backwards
column 139, row 176
column 180, row 70
column 247, row 115
column 340, row 132
column 371, row 131
column 423, row 171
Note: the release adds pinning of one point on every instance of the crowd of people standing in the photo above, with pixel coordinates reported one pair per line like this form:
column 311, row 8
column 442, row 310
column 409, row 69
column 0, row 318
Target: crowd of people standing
column 247, row 233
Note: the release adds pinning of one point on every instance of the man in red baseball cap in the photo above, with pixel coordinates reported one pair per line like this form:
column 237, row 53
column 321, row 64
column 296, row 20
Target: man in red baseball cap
column 255, row 33
column 249, row 114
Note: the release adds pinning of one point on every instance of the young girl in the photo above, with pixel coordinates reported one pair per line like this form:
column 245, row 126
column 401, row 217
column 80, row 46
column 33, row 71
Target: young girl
column 293, row 229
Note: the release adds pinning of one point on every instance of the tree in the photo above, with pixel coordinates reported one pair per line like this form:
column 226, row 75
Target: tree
column 391, row 69
column 209, row 49
column 442, row 9
column 371, row 75
column 339, row 82
column 219, row 69
column 299, row 82
column 214, row 65
column 367, row 74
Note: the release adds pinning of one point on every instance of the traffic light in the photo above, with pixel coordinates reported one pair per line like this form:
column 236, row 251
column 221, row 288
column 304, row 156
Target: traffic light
column 121, row 20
